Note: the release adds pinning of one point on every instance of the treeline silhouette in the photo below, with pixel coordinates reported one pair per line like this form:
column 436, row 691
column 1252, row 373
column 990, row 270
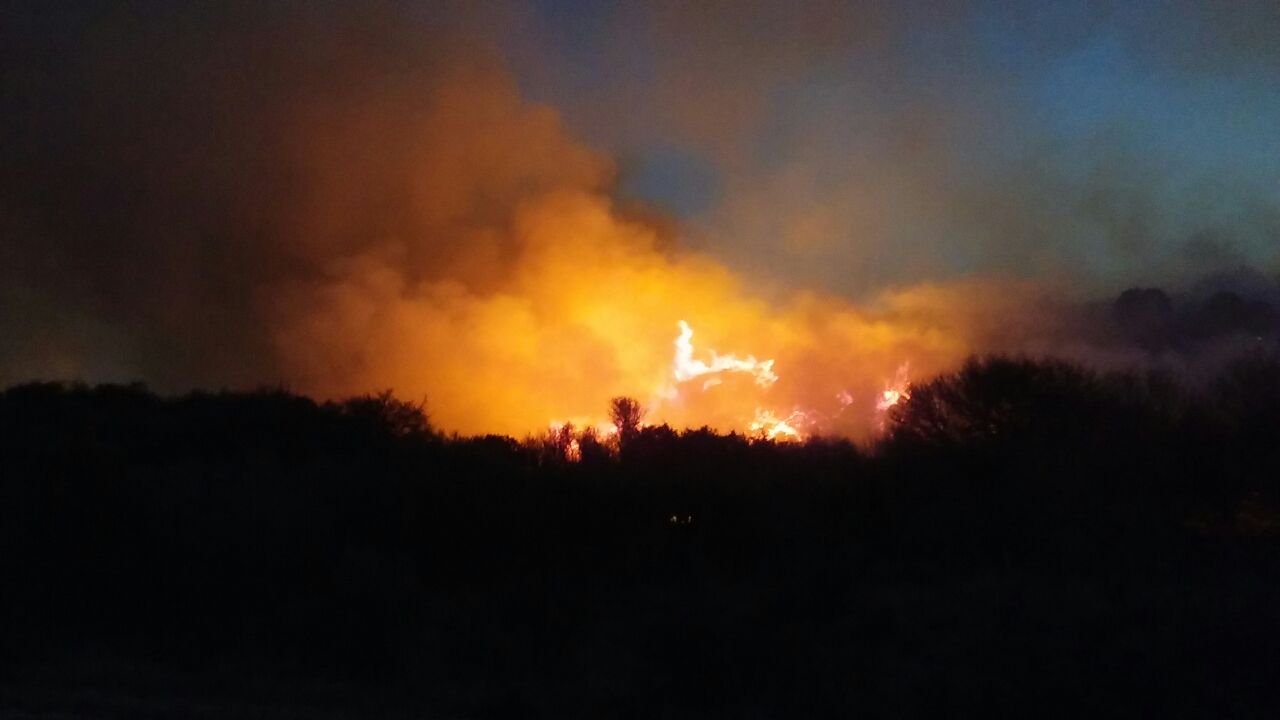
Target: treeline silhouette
column 1028, row 536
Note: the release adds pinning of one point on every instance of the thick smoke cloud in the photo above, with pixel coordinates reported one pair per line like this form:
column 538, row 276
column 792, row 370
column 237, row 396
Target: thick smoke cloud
column 165, row 165
column 343, row 200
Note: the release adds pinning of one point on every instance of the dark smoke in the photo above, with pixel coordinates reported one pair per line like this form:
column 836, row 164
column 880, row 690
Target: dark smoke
column 164, row 165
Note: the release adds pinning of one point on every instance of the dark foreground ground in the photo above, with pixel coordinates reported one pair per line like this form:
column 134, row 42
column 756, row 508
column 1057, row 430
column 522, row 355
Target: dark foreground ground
column 1029, row 538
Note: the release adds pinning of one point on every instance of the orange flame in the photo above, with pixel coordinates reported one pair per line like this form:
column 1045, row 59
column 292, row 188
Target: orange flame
column 770, row 427
column 687, row 368
column 896, row 392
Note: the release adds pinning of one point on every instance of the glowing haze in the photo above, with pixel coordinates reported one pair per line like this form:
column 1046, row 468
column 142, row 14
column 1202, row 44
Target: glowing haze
column 347, row 200
column 593, row 307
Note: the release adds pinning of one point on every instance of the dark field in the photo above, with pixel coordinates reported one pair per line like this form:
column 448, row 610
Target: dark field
column 1029, row 538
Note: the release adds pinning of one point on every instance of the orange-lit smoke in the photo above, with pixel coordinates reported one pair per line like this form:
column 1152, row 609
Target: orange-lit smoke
column 344, row 200
column 511, row 291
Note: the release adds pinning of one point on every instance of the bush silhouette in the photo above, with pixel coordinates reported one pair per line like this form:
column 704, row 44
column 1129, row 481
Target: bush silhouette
column 993, row 400
column 626, row 414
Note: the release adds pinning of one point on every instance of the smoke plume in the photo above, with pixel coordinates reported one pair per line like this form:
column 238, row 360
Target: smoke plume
column 342, row 201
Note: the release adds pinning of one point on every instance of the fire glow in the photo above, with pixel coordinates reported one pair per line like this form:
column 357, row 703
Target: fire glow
column 508, row 299
column 375, row 209
column 896, row 392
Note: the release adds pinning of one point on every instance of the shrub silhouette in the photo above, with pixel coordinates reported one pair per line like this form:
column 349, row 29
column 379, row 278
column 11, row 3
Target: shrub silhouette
column 626, row 414
column 384, row 412
column 993, row 400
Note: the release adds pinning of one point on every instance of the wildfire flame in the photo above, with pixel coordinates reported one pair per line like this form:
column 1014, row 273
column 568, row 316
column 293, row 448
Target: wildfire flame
column 769, row 426
column 686, row 367
column 888, row 398
column 765, row 424
column 602, row 430
column 896, row 392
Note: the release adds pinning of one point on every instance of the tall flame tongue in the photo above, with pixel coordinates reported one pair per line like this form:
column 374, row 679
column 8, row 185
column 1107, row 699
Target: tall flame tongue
column 686, row 367
column 896, row 392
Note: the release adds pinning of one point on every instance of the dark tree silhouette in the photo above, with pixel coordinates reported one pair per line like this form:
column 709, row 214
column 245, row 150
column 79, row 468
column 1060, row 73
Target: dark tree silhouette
column 398, row 417
column 626, row 414
column 992, row 399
